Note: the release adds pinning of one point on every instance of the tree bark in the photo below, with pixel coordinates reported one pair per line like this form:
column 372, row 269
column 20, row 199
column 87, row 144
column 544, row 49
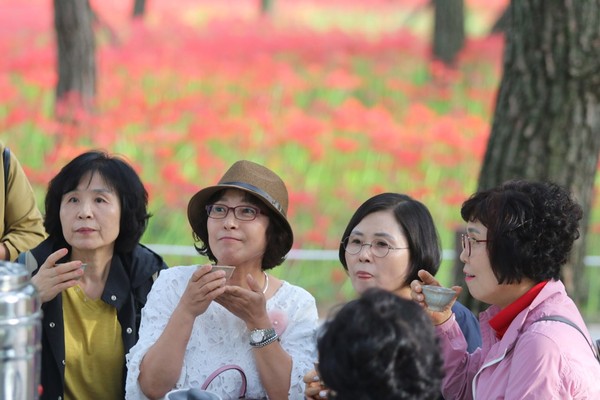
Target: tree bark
column 266, row 7
column 547, row 118
column 448, row 30
column 76, row 53
column 502, row 23
column 139, row 8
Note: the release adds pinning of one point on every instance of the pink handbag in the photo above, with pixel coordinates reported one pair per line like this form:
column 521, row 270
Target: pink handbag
column 223, row 369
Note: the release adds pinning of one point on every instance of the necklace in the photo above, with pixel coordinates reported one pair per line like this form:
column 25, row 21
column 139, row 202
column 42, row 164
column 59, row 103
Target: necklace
column 266, row 282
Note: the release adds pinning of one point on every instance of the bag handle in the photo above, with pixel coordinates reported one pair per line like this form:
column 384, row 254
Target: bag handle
column 594, row 345
column 223, row 369
column 6, row 162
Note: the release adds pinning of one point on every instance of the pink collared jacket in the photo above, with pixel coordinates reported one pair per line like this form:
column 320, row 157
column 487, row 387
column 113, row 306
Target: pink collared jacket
column 541, row 360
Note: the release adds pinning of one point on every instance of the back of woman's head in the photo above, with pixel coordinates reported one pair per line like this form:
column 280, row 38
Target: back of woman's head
column 380, row 346
column 416, row 223
column 117, row 174
column 531, row 228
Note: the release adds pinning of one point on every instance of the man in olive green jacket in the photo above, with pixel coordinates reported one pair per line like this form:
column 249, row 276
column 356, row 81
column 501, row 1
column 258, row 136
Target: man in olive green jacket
column 21, row 224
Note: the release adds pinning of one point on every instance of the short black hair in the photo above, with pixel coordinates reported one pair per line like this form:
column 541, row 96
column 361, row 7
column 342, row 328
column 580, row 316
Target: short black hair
column 416, row 223
column 278, row 236
column 120, row 176
column 380, row 346
column 531, row 228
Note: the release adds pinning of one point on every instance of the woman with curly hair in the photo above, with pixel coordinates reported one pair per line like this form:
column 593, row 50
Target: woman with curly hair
column 380, row 346
column 518, row 236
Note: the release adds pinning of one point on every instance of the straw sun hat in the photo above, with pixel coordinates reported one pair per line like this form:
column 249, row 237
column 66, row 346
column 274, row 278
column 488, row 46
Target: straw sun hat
column 250, row 177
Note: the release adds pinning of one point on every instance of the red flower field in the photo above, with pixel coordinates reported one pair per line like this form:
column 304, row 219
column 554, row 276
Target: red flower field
column 341, row 98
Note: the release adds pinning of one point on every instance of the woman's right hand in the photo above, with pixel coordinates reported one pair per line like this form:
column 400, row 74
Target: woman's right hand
column 416, row 293
column 52, row 278
column 313, row 387
column 202, row 288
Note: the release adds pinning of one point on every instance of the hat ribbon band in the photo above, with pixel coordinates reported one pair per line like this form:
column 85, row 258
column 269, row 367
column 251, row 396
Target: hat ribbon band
column 258, row 191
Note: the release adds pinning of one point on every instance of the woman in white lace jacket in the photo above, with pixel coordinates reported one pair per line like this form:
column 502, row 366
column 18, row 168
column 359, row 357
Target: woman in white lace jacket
column 197, row 321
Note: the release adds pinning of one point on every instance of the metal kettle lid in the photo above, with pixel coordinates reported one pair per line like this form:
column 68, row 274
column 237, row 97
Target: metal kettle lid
column 19, row 298
column 12, row 276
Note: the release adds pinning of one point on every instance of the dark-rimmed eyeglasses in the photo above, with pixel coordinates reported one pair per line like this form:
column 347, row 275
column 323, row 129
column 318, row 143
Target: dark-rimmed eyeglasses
column 467, row 242
column 379, row 248
column 243, row 213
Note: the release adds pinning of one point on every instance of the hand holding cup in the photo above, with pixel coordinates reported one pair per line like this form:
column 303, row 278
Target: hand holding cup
column 437, row 297
column 228, row 269
column 314, row 387
column 418, row 288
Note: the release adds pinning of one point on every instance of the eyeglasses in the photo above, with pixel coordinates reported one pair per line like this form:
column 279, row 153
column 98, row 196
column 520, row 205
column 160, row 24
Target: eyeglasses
column 467, row 242
column 379, row 248
column 243, row 213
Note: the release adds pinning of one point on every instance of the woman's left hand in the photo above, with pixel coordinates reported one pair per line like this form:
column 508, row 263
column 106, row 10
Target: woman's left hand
column 246, row 304
column 313, row 387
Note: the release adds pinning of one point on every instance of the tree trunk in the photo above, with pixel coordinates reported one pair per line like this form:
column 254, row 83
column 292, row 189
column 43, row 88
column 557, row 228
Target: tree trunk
column 139, row 8
column 547, row 119
column 266, row 7
column 76, row 53
column 502, row 23
column 448, row 30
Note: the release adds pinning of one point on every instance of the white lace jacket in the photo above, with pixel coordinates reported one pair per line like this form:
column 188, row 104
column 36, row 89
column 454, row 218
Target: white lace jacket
column 220, row 338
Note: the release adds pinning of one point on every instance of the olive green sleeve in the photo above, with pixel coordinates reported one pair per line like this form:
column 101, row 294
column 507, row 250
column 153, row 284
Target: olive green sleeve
column 22, row 227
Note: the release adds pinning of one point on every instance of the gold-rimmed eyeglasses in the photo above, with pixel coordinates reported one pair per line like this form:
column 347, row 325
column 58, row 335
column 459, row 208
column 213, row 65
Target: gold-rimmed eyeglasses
column 379, row 247
column 467, row 242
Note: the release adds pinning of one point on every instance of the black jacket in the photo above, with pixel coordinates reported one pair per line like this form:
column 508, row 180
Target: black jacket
column 129, row 281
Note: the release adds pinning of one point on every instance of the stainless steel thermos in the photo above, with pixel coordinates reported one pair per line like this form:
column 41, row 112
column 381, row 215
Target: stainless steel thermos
column 20, row 334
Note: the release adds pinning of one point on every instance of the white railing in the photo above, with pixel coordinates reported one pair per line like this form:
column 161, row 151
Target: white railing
column 320, row 255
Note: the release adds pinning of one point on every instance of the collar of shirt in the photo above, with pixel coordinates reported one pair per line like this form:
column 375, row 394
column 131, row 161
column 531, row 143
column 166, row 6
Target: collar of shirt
column 501, row 321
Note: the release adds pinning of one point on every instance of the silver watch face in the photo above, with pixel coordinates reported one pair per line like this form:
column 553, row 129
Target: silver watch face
column 257, row 336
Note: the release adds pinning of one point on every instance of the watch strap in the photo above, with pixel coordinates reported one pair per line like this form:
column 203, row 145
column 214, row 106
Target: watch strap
column 268, row 337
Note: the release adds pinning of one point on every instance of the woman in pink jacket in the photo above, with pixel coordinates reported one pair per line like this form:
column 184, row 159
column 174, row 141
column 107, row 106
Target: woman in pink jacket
column 518, row 237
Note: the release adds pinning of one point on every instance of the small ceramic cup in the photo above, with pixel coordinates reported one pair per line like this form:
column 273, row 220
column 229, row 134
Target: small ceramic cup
column 437, row 297
column 192, row 394
column 227, row 268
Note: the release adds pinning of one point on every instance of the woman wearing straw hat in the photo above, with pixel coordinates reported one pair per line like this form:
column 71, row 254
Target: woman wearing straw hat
column 197, row 322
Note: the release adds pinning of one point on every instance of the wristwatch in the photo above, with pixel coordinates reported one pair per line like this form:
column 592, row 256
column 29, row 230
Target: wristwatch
column 262, row 337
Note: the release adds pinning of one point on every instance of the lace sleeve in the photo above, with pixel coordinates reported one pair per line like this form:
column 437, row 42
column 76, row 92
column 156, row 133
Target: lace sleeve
column 299, row 340
column 162, row 300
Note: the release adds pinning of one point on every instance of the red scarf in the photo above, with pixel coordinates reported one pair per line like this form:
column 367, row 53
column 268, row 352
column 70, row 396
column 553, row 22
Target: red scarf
column 504, row 318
